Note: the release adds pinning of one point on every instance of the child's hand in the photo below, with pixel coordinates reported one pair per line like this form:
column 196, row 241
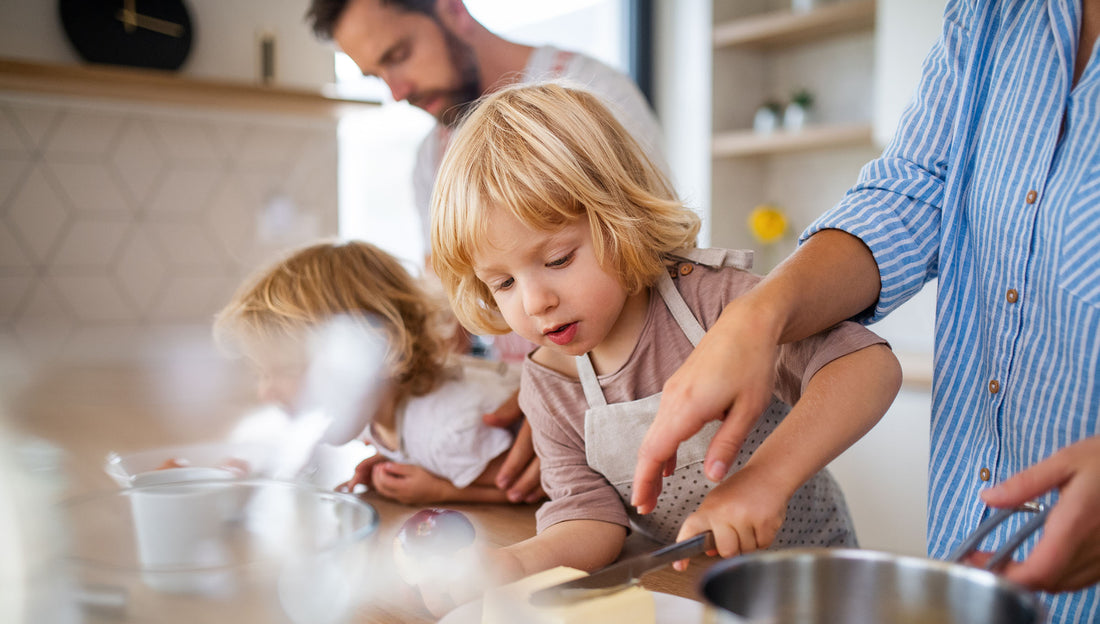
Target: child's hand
column 519, row 475
column 362, row 474
column 409, row 484
column 745, row 513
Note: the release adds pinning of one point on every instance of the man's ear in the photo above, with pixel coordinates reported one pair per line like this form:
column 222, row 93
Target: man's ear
column 454, row 15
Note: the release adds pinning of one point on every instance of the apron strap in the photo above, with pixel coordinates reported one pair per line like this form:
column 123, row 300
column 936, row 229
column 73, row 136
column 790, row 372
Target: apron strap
column 716, row 257
column 680, row 310
column 589, row 382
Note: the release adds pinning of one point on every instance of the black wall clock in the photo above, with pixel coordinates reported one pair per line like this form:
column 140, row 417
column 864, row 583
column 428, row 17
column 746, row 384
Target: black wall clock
column 139, row 33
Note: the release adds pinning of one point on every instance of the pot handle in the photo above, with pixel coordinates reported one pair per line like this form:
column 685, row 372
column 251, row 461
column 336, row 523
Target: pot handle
column 970, row 544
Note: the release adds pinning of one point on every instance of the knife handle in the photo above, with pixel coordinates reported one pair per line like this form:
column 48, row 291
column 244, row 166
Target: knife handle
column 686, row 549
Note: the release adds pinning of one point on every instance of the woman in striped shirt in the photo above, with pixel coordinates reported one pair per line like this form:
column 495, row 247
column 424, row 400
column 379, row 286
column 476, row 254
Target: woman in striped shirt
column 991, row 185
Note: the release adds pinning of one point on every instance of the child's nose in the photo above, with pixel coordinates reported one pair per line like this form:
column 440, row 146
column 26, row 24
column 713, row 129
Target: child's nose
column 537, row 299
column 269, row 391
column 265, row 391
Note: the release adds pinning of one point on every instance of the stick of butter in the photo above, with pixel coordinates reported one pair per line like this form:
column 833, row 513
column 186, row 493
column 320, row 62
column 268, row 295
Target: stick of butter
column 510, row 604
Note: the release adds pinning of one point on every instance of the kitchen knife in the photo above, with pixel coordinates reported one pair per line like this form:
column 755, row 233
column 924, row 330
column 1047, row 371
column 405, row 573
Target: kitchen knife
column 621, row 575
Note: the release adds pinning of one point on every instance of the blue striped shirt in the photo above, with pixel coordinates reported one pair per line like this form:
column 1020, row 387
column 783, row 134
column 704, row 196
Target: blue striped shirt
column 992, row 184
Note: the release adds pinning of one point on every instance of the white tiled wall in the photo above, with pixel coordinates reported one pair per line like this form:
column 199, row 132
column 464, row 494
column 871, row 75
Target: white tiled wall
column 124, row 228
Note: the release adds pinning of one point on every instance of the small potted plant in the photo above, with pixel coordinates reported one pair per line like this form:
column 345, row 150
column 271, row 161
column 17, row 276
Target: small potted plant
column 766, row 118
column 798, row 111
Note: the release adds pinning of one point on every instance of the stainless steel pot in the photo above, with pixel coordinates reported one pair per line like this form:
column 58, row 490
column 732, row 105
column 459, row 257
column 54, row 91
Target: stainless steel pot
column 823, row 585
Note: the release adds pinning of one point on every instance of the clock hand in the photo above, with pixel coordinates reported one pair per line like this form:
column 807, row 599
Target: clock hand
column 155, row 24
column 128, row 12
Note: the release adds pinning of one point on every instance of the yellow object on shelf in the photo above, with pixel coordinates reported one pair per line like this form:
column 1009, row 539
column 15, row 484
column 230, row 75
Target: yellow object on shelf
column 767, row 223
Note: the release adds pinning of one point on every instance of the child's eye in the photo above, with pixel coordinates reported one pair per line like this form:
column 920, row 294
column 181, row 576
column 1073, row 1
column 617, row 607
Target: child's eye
column 562, row 261
column 504, row 284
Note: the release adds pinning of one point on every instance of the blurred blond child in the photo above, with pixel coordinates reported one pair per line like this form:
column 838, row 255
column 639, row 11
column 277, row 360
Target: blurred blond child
column 422, row 410
column 549, row 220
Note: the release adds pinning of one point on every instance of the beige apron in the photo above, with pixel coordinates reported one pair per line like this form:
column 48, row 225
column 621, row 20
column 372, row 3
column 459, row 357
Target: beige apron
column 816, row 515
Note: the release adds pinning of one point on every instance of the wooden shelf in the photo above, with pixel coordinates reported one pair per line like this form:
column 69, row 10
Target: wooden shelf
column 781, row 28
column 749, row 143
column 147, row 85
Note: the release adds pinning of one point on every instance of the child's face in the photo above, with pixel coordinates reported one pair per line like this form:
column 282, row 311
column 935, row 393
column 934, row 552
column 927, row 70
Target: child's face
column 549, row 286
column 280, row 372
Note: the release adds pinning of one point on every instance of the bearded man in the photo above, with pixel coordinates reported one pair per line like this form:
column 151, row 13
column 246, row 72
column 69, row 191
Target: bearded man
column 437, row 57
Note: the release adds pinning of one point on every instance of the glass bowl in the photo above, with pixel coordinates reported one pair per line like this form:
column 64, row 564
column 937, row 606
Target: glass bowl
column 248, row 550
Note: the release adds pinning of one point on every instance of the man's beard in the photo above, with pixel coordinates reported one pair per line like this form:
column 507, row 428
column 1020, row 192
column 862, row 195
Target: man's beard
column 463, row 97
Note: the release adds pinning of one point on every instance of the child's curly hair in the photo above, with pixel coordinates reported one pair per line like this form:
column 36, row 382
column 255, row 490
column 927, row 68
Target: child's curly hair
column 550, row 155
column 352, row 279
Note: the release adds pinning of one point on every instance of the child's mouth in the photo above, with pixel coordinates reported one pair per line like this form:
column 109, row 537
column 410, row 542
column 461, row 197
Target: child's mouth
column 564, row 334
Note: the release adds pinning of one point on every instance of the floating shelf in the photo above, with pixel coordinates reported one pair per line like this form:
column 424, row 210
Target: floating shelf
column 781, row 28
column 149, row 85
column 749, row 143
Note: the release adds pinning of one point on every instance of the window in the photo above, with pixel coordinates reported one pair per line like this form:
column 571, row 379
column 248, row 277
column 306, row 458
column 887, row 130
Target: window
column 378, row 147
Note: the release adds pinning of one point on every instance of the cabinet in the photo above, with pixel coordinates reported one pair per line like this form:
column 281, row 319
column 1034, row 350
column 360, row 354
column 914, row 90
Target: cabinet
column 765, row 51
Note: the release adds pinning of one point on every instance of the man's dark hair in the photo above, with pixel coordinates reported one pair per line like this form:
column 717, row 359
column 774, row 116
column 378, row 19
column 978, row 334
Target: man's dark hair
column 323, row 14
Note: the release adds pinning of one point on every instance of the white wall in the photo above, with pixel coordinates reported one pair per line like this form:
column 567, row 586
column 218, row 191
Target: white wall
column 127, row 225
column 682, row 96
column 906, row 30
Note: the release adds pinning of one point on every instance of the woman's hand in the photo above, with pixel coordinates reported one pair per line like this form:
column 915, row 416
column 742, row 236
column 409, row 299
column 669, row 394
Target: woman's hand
column 728, row 377
column 1067, row 556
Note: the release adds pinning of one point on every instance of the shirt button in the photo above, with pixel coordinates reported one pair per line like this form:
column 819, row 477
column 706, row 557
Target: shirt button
column 686, row 269
column 1012, row 295
column 983, row 474
column 994, row 386
column 1031, row 197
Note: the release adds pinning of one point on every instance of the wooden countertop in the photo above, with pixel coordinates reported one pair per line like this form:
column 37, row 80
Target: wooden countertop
column 90, row 412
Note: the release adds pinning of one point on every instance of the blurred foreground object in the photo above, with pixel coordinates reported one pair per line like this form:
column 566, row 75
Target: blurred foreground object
column 31, row 535
column 426, row 547
column 221, row 550
column 512, row 603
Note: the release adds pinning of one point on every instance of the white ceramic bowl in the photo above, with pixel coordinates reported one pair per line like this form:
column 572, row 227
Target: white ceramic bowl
column 124, row 468
column 249, row 550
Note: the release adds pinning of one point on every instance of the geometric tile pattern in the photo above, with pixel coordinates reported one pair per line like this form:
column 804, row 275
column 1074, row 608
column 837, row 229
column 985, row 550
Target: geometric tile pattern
column 119, row 222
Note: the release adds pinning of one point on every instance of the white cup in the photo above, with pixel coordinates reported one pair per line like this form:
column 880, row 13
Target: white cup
column 181, row 528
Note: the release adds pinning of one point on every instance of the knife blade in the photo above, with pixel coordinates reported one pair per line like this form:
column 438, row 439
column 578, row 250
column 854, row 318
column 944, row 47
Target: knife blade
column 621, row 575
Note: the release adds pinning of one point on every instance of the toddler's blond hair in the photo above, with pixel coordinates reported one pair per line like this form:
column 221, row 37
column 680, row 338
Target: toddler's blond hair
column 550, row 154
column 328, row 279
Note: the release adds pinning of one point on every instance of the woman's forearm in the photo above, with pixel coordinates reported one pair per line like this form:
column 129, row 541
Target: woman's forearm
column 830, row 278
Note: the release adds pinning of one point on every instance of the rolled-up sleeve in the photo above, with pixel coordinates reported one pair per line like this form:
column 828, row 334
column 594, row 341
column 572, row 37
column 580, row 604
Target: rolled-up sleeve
column 895, row 207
